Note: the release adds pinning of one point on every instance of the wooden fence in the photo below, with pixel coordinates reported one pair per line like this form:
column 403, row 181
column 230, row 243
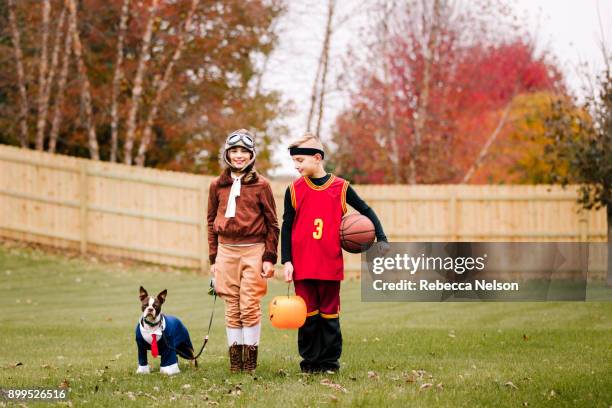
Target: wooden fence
column 160, row 216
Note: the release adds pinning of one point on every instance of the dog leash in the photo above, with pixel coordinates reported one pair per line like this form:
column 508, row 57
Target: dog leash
column 212, row 315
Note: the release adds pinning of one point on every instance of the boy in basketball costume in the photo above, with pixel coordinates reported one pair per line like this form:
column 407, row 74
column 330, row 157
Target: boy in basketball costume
column 311, row 253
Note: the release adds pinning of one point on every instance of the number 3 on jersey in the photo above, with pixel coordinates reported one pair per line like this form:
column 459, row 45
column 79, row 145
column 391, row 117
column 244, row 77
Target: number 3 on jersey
column 318, row 232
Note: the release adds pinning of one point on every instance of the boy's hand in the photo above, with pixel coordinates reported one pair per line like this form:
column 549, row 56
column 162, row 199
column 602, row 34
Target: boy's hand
column 268, row 270
column 382, row 247
column 288, row 271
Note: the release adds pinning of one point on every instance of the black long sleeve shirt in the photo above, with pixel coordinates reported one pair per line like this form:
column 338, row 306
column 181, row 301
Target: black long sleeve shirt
column 352, row 199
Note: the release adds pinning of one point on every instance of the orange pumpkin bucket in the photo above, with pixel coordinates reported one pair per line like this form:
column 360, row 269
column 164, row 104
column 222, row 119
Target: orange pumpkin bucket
column 287, row 312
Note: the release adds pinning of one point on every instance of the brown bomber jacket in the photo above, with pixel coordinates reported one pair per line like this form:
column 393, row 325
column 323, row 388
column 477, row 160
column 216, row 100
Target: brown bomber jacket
column 255, row 219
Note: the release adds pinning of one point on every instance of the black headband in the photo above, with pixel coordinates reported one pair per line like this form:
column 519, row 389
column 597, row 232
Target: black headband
column 308, row 151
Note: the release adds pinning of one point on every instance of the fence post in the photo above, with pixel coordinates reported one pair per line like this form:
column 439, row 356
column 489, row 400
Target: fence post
column 83, row 197
column 203, row 225
column 583, row 226
column 452, row 215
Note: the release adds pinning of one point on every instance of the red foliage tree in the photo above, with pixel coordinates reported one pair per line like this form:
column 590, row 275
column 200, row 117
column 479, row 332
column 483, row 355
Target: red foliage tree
column 448, row 88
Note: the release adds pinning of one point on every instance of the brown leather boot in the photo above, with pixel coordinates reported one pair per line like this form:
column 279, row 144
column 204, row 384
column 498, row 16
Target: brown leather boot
column 235, row 354
column 250, row 358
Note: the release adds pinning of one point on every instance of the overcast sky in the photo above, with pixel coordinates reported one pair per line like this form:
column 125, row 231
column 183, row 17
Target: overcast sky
column 568, row 28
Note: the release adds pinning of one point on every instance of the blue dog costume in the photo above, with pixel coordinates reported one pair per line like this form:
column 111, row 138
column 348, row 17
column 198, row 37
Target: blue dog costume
column 172, row 337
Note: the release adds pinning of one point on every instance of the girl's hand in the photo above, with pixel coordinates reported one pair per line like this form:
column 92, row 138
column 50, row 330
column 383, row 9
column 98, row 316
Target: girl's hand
column 268, row 270
column 213, row 271
column 211, row 289
column 288, row 271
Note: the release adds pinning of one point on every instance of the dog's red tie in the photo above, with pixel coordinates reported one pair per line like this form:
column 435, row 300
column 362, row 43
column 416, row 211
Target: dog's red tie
column 154, row 351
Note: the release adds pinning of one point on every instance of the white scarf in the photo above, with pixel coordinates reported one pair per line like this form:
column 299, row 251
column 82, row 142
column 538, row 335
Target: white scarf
column 231, row 200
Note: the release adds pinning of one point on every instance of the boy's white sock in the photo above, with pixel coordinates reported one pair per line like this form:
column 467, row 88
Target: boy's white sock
column 234, row 335
column 252, row 334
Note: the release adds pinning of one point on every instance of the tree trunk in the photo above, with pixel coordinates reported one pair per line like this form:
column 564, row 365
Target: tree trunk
column 389, row 98
column 94, row 151
column 57, row 45
column 42, row 75
column 609, row 217
column 326, row 46
column 61, row 85
column 160, row 86
column 145, row 54
column 315, row 87
column 431, row 33
column 23, row 96
column 118, row 77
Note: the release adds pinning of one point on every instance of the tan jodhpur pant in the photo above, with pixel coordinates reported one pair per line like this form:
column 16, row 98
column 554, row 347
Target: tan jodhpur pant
column 239, row 283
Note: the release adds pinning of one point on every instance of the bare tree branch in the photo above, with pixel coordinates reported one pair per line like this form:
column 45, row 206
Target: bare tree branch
column 117, row 78
column 23, row 96
column 162, row 85
column 485, row 149
column 145, row 55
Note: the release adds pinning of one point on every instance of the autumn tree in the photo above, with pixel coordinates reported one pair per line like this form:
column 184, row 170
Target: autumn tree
column 427, row 103
column 144, row 82
column 585, row 143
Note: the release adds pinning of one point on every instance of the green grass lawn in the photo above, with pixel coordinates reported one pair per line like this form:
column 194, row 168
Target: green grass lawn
column 72, row 320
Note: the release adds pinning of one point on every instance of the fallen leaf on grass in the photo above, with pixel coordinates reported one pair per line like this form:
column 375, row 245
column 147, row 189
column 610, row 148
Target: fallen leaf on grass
column 511, row 385
column 327, row 382
column 116, row 357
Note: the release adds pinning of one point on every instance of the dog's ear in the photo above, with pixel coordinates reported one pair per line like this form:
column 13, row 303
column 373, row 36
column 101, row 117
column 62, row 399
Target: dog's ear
column 162, row 296
column 143, row 294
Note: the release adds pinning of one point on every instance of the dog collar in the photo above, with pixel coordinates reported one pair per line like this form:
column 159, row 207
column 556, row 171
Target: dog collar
column 153, row 324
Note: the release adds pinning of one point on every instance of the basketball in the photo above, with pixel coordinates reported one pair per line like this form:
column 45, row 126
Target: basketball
column 356, row 233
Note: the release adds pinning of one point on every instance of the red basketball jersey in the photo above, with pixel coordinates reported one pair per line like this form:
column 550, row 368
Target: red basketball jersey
column 315, row 236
